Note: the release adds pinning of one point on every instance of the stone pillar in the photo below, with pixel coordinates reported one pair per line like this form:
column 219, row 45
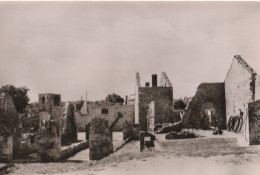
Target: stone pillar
column 100, row 139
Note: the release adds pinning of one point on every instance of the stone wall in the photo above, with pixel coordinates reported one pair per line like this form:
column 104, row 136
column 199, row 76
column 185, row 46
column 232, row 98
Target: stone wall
column 150, row 116
column 209, row 97
column 254, row 122
column 100, row 139
column 8, row 113
column 95, row 110
column 239, row 87
column 64, row 117
column 48, row 142
column 6, row 144
column 163, row 99
column 131, row 131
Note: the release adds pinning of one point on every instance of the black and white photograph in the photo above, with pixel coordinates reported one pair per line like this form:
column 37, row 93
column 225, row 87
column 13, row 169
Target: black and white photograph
column 130, row 87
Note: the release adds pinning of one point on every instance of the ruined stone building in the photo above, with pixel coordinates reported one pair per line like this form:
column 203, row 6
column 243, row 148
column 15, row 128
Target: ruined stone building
column 153, row 104
column 49, row 100
column 115, row 115
column 207, row 107
column 242, row 88
column 50, row 108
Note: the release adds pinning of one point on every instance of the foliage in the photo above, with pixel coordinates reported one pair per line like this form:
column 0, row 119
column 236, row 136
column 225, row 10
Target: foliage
column 19, row 95
column 179, row 104
column 114, row 98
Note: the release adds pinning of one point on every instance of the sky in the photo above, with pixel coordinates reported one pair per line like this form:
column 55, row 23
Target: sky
column 73, row 47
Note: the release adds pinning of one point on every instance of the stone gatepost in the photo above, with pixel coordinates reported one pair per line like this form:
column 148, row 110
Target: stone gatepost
column 100, row 139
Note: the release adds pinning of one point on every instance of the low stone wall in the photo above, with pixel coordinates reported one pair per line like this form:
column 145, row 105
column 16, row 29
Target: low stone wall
column 67, row 151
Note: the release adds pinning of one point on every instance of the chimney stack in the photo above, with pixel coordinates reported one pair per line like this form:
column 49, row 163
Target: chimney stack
column 154, row 80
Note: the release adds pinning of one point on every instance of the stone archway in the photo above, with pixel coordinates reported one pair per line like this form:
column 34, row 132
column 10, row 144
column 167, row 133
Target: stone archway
column 207, row 112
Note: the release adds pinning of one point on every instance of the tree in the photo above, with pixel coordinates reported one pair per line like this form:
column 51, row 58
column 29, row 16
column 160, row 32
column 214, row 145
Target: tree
column 114, row 98
column 179, row 104
column 19, row 95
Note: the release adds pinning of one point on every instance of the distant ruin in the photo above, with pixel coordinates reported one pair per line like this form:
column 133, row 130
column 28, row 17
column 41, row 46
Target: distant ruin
column 158, row 98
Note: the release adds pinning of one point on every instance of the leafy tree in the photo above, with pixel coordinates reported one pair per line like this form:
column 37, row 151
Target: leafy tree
column 114, row 98
column 179, row 104
column 19, row 95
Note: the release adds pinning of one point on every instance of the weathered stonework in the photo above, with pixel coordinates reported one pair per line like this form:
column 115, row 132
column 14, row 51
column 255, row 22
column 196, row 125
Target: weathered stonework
column 254, row 122
column 130, row 131
column 100, row 139
column 47, row 101
column 48, row 142
column 241, row 87
column 163, row 102
column 111, row 115
column 6, row 144
column 209, row 98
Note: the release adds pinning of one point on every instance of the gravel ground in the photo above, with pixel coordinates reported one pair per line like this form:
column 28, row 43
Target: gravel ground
column 210, row 155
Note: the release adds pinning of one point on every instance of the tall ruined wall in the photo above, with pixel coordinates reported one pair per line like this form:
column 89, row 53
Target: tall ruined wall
column 95, row 110
column 8, row 113
column 254, row 122
column 209, row 96
column 136, row 102
column 163, row 99
column 257, row 87
column 239, row 88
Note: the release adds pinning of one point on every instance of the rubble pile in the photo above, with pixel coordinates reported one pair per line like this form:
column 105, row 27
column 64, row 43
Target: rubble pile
column 180, row 135
column 168, row 127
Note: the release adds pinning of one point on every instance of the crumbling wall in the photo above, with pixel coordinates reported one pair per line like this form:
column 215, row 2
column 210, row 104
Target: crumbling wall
column 64, row 117
column 254, row 122
column 257, row 87
column 163, row 99
column 136, row 102
column 209, row 96
column 47, row 101
column 6, row 144
column 150, row 117
column 10, row 121
column 239, row 87
column 130, row 130
column 48, row 142
column 8, row 113
column 100, row 139
column 165, row 82
column 95, row 110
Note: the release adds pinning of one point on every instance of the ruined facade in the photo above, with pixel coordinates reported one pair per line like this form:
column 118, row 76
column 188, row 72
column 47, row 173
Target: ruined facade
column 9, row 129
column 49, row 100
column 207, row 108
column 241, row 87
column 115, row 115
column 161, row 96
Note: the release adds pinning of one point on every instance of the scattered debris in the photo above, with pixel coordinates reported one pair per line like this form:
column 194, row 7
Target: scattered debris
column 168, row 127
column 180, row 135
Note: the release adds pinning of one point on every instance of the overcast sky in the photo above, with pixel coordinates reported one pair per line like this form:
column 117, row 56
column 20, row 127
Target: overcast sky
column 71, row 47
